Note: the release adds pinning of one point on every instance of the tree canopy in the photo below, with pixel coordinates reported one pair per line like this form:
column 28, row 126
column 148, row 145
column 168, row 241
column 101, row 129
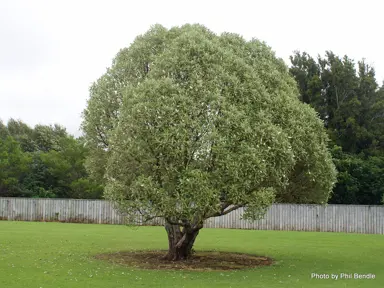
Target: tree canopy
column 189, row 125
column 50, row 163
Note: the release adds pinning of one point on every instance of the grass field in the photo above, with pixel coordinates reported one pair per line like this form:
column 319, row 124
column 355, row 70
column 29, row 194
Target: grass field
column 34, row 255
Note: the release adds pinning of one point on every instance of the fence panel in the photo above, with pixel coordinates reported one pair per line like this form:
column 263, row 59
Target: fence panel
column 289, row 217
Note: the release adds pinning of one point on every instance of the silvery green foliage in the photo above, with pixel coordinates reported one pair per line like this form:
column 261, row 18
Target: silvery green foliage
column 190, row 125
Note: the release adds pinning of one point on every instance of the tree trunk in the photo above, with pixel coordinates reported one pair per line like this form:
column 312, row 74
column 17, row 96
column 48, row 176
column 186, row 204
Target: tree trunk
column 180, row 243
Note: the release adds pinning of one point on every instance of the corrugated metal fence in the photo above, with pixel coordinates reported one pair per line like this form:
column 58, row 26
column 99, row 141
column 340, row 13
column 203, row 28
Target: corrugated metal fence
column 293, row 217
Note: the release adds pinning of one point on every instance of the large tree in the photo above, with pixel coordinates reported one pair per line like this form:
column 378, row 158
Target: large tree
column 187, row 125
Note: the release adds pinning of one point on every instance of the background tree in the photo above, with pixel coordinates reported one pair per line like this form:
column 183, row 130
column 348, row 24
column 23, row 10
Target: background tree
column 65, row 175
column 197, row 125
column 48, row 138
column 13, row 166
column 3, row 131
column 350, row 102
column 22, row 133
column 360, row 179
column 44, row 161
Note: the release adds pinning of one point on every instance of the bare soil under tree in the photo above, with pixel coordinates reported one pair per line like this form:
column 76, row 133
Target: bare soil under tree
column 199, row 261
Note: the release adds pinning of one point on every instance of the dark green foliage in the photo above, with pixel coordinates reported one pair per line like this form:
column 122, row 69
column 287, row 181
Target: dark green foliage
column 348, row 100
column 351, row 104
column 23, row 134
column 360, row 179
column 3, row 131
column 13, row 166
column 43, row 162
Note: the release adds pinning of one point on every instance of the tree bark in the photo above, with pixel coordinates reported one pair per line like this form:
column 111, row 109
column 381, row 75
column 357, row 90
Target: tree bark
column 180, row 242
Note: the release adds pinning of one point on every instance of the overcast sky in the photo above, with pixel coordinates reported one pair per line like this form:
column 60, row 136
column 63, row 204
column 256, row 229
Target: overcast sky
column 51, row 51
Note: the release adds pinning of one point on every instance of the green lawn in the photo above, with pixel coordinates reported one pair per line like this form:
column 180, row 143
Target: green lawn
column 34, row 255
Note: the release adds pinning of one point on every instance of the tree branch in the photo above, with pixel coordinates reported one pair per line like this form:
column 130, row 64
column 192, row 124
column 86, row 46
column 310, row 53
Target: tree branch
column 146, row 218
column 158, row 176
column 196, row 225
column 223, row 212
column 224, row 205
column 181, row 241
column 212, row 157
column 175, row 222
column 232, row 209
column 103, row 140
column 377, row 116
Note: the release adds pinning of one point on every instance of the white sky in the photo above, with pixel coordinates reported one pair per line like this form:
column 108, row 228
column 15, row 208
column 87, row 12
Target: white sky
column 51, row 51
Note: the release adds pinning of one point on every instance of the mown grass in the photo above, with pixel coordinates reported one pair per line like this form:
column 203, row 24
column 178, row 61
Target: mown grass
column 34, row 254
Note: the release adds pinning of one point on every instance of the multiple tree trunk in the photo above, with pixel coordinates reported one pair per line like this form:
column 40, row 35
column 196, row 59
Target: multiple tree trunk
column 180, row 241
